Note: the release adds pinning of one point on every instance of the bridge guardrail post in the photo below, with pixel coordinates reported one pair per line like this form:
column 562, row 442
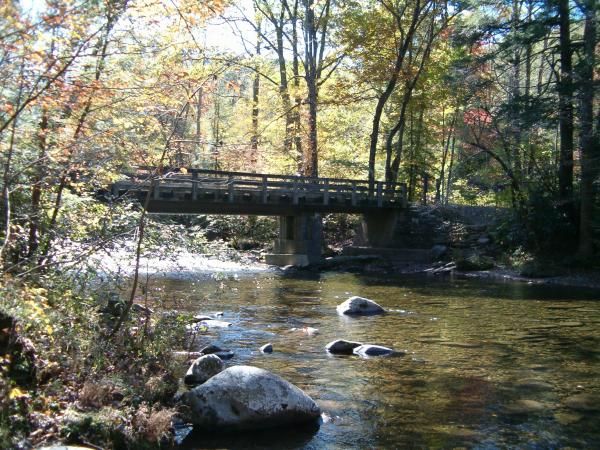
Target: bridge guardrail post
column 194, row 185
column 156, row 191
column 264, row 189
column 326, row 192
column 230, row 185
column 379, row 194
column 354, row 193
column 295, row 192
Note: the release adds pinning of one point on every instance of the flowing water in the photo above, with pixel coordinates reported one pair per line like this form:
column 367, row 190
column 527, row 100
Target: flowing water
column 489, row 365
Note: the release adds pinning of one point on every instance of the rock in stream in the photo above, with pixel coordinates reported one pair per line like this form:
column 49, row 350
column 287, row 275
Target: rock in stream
column 203, row 369
column 248, row 398
column 359, row 306
column 342, row 347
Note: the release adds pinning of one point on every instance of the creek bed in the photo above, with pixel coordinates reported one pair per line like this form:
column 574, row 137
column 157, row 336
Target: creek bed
column 488, row 365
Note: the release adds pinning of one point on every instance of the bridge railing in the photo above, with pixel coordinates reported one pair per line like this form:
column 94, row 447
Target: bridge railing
column 227, row 185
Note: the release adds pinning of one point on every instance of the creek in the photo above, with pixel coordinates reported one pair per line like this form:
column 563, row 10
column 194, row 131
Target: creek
column 488, row 365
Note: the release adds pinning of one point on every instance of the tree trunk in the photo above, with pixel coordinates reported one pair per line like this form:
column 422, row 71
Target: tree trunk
column 450, row 174
column 284, row 90
column 315, row 30
column 446, row 148
column 255, row 110
column 515, row 92
column 590, row 140
column 199, row 106
column 36, row 188
column 296, row 119
column 565, row 96
column 6, row 177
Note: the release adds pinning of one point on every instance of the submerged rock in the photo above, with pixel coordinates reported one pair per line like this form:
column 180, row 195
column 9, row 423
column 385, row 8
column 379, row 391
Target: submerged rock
column 583, row 402
column 202, row 369
column 211, row 349
column 267, row 348
column 248, row 398
column 526, row 407
column 367, row 350
column 359, row 306
column 214, row 350
column 342, row 347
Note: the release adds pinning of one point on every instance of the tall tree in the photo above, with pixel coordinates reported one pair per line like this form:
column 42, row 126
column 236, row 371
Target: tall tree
column 415, row 12
column 315, row 26
column 589, row 136
column 565, row 108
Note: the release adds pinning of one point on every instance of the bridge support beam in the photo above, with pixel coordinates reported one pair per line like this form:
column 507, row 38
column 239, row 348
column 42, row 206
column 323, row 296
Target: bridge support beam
column 378, row 229
column 299, row 242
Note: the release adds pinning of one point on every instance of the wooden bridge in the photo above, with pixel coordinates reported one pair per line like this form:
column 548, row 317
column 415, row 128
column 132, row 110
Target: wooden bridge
column 196, row 191
column 296, row 200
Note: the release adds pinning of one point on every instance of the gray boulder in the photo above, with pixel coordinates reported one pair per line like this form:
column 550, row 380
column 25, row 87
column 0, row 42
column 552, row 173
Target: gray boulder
column 202, row 369
column 367, row 350
column 359, row 306
column 248, row 398
column 342, row 347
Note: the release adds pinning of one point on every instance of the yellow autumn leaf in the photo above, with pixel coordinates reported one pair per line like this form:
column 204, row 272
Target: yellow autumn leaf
column 16, row 393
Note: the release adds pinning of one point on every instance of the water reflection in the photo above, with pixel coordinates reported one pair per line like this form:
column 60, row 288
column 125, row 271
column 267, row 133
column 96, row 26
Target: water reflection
column 488, row 365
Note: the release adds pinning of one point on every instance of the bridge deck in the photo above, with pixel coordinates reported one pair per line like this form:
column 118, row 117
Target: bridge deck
column 197, row 191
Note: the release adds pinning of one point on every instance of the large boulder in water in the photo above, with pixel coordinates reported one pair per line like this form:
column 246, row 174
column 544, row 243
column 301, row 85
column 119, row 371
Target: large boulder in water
column 202, row 369
column 359, row 306
column 247, row 398
column 341, row 347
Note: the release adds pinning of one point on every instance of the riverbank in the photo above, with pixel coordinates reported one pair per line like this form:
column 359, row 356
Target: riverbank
column 376, row 265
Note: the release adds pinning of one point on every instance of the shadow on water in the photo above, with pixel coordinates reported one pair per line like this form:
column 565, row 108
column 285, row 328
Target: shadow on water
column 290, row 437
column 461, row 287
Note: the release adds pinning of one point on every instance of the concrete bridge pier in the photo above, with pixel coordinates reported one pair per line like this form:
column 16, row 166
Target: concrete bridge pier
column 378, row 228
column 299, row 242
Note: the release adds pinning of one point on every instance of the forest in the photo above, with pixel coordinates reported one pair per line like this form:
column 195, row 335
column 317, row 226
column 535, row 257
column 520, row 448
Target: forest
column 478, row 102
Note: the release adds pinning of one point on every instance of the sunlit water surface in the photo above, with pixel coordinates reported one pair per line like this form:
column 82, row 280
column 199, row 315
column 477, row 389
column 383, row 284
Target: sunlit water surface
column 489, row 365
